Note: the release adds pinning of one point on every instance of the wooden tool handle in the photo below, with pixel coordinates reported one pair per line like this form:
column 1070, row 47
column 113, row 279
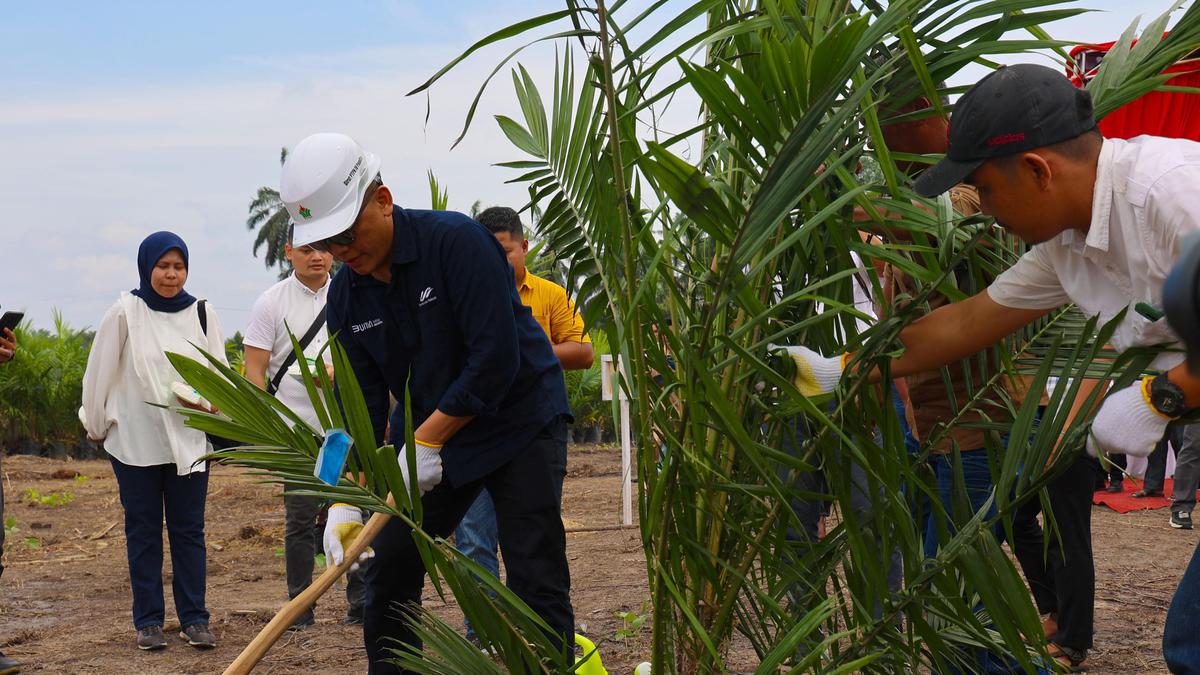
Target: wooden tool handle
column 283, row 620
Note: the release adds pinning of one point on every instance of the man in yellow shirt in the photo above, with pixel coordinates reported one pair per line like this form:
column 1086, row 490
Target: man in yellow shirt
column 476, row 535
column 551, row 307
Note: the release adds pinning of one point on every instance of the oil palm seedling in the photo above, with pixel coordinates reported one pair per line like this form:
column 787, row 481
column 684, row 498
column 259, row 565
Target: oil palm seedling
column 696, row 248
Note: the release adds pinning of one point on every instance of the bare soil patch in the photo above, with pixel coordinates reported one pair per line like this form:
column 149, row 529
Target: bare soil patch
column 65, row 600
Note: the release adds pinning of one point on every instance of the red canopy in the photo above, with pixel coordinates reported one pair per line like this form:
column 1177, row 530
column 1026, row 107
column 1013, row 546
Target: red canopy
column 1160, row 113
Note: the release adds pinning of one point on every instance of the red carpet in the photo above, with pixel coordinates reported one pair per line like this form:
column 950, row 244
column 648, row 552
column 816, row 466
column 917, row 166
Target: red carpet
column 1124, row 502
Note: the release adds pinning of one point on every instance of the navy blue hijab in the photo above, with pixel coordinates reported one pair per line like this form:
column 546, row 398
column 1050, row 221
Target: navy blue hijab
column 154, row 247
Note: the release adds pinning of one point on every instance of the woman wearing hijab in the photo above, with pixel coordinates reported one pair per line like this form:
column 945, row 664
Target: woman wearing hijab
column 153, row 454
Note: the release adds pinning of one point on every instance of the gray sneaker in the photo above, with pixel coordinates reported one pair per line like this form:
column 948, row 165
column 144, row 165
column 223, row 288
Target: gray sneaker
column 1181, row 520
column 198, row 636
column 151, row 638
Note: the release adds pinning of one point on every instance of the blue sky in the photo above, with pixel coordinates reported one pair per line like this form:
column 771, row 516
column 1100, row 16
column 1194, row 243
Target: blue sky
column 122, row 118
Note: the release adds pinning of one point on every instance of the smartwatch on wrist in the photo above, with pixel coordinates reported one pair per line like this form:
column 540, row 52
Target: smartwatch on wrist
column 1166, row 397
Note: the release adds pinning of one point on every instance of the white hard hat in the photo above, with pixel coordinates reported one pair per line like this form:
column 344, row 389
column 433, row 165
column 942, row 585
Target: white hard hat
column 324, row 180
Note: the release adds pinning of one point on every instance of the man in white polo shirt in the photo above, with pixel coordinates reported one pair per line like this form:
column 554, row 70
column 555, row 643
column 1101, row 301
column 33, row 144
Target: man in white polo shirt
column 1106, row 216
column 297, row 304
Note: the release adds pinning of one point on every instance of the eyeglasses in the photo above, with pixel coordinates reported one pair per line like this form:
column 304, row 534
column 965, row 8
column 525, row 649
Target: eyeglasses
column 348, row 235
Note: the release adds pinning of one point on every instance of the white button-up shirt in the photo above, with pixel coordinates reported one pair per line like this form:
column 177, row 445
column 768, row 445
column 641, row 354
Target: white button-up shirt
column 128, row 370
column 1146, row 199
column 288, row 304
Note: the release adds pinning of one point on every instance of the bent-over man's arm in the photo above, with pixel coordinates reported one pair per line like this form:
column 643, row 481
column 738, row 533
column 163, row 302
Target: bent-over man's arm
column 955, row 331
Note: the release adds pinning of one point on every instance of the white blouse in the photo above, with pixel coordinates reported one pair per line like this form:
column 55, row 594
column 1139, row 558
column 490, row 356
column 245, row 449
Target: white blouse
column 128, row 369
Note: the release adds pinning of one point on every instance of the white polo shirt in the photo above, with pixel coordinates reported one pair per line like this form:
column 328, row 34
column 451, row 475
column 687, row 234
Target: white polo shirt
column 1147, row 198
column 288, row 304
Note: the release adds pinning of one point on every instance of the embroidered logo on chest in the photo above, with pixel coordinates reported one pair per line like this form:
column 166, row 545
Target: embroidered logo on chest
column 426, row 296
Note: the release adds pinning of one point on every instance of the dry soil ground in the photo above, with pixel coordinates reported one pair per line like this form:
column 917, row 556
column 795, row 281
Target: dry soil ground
column 65, row 603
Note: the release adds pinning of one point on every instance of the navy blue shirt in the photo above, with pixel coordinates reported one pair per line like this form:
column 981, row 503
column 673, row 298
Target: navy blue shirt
column 452, row 321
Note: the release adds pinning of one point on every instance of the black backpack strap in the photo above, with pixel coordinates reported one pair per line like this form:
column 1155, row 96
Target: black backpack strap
column 203, row 316
column 291, row 357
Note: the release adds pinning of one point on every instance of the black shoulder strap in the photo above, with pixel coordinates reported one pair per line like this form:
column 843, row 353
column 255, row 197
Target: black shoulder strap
column 203, row 317
column 291, row 357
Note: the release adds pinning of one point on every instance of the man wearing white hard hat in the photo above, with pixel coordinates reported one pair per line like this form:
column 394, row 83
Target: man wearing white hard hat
column 426, row 302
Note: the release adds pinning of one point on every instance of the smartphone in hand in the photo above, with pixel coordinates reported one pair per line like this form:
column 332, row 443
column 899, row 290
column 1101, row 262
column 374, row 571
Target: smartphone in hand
column 11, row 320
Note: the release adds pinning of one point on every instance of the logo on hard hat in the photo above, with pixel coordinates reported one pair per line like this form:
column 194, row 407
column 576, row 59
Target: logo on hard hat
column 305, row 213
column 354, row 170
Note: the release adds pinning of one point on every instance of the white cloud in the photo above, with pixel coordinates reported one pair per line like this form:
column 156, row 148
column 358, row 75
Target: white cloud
column 89, row 170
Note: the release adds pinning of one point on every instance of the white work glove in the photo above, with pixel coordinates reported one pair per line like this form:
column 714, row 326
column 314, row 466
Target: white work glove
column 429, row 465
column 1127, row 423
column 343, row 525
column 815, row 374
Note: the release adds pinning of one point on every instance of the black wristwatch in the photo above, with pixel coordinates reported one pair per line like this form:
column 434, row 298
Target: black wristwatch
column 1166, row 397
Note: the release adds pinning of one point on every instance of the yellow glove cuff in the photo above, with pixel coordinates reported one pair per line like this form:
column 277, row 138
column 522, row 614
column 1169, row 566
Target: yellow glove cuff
column 340, row 504
column 435, row 446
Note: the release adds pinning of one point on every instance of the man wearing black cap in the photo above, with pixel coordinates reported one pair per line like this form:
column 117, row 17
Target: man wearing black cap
column 1107, row 216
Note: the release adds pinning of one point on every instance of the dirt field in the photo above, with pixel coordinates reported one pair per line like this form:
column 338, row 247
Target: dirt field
column 65, row 602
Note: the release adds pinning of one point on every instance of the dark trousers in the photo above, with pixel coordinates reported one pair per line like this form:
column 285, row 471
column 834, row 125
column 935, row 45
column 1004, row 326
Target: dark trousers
column 300, row 547
column 146, row 492
column 477, row 535
column 1063, row 579
column 802, row 534
column 1184, row 439
column 532, row 542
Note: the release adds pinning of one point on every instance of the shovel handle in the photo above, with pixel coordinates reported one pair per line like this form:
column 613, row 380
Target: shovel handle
column 286, row 616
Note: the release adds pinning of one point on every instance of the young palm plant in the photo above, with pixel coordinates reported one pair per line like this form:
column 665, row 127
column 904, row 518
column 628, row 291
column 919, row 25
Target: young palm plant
column 749, row 244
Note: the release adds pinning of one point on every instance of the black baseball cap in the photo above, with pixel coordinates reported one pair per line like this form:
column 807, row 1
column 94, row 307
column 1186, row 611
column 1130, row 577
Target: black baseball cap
column 1014, row 109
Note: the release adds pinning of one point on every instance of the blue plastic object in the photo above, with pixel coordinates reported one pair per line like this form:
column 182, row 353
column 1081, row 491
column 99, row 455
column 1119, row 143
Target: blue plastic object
column 331, row 460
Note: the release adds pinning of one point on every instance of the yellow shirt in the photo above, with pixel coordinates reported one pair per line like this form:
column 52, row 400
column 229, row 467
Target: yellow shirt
column 552, row 309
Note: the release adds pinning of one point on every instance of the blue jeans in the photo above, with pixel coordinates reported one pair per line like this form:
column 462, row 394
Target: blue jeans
column 476, row 535
column 1181, row 643
column 911, row 444
column 978, row 486
column 145, row 491
column 977, row 479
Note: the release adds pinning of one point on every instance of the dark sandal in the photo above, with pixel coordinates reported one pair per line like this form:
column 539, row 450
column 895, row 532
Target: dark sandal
column 1074, row 659
column 1143, row 493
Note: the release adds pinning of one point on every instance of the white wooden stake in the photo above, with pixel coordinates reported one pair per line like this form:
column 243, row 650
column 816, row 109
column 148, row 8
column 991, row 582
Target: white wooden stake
column 626, row 465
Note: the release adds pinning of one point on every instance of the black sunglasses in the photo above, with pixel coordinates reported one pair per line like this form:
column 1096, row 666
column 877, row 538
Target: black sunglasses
column 348, row 235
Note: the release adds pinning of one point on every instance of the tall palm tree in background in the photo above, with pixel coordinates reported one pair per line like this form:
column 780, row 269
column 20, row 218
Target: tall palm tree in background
column 268, row 214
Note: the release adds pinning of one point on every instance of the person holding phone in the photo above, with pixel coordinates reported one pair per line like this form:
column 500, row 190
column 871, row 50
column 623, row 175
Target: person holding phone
column 153, row 454
column 8, row 348
column 8, row 345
